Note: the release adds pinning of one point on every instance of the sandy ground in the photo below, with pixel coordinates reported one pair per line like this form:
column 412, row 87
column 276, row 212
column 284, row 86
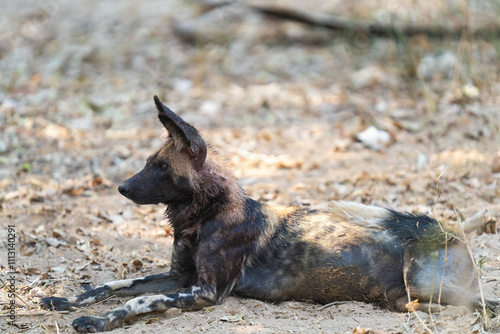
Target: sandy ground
column 284, row 104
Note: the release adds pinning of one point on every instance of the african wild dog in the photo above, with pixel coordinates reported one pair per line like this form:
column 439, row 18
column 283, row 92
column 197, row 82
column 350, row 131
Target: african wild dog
column 225, row 242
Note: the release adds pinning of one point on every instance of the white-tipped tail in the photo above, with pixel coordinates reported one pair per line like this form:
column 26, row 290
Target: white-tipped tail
column 366, row 215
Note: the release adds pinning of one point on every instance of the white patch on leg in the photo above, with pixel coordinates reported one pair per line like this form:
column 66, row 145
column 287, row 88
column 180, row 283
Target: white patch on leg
column 73, row 299
column 124, row 283
column 111, row 317
column 88, row 300
column 114, row 285
column 141, row 305
column 366, row 215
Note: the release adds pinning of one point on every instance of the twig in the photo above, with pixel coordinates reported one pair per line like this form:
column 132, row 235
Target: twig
column 105, row 299
column 339, row 23
column 472, row 223
column 438, row 176
column 429, row 310
column 478, row 273
column 410, row 304
column 444, row 270
column 36, row 280
column 29, row 306
column 331, row 304
column 3, row 284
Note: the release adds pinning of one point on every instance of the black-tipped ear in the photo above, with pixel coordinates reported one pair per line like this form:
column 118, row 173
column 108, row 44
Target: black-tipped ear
column 183, row 134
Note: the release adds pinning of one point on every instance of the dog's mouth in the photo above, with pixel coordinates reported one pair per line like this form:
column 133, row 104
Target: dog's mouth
column 141, row 201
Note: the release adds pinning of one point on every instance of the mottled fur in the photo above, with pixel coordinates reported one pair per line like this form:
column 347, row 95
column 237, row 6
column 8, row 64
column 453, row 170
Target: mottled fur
column 225, row 242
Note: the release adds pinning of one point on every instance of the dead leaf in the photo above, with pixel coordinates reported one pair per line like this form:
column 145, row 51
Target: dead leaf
column 58, row 233
column 413, row 305
column 495, row 164
column 284, row 163
column 74, row 191
column 113, row 218
column 137, row 264
column 96, row 243
column 232, row 318
column 490, row 226
column 32, row 271
column 28, row 252
column 359, row 330
column 152, row 321
column 79, row 268
column 374, row 138
column 55, row 242
column 57, row 269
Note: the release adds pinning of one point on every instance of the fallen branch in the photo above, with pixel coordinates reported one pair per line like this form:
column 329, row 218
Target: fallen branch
column 331, row 304
column 339, row 23
column 474, row 222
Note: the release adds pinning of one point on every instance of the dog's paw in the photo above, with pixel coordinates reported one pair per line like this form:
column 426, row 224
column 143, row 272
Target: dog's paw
column 90, row 324
column 56, row 303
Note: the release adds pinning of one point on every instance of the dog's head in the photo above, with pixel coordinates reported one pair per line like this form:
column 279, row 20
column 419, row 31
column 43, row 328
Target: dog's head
column 171, row 173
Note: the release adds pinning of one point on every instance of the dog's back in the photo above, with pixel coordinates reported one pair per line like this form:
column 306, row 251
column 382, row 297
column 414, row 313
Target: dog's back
column 356, row 252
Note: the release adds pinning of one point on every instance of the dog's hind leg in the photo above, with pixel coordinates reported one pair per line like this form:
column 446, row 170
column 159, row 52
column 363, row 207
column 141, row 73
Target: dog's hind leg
column 444, row 276
column 195, row 297
column 161, row 283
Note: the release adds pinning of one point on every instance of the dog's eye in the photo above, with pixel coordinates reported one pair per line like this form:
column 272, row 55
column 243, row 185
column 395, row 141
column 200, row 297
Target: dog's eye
column 164, row 166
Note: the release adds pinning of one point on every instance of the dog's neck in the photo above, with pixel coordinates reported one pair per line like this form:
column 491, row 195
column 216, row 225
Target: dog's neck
column 219, row 195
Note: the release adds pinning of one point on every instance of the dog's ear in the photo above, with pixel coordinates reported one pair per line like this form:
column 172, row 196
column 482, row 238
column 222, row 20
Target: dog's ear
column 183, row 134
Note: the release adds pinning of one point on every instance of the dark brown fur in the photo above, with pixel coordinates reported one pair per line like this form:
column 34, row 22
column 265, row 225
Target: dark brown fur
column 225, row 242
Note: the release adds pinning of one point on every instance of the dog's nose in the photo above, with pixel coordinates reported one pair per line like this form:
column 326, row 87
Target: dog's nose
column 124, row 189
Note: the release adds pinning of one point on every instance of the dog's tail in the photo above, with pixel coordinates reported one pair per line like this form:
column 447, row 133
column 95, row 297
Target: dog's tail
column 366, row 215
column 406, row 227
column 409, row 227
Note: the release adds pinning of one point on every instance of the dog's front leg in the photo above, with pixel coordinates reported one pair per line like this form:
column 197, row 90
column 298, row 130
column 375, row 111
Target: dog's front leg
column 196, row 297
column 182, row 275
column 161, row 283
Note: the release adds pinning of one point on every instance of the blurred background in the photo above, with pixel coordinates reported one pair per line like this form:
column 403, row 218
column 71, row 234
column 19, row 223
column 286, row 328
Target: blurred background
column 394, row 103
